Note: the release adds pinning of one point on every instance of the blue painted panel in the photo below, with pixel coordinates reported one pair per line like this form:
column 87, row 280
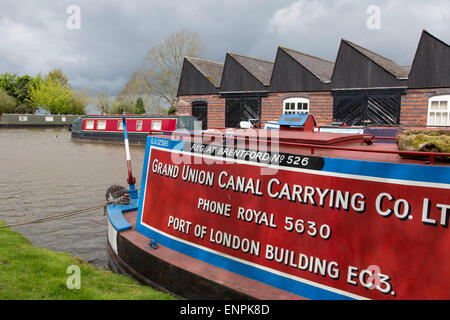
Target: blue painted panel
column 165, row 143
column 293, row 120
column 411, row 172
column 115, row 215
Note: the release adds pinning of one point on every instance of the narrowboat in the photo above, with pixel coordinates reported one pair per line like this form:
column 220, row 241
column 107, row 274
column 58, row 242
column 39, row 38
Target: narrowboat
column 109, row 129
column 294, row 213
column 14, row 120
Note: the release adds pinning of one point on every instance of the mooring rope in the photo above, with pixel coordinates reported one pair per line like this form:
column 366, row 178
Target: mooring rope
column 61, row 215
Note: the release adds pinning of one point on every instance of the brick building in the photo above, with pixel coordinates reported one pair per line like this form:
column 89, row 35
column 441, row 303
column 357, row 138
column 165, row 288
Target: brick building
column 361, row 88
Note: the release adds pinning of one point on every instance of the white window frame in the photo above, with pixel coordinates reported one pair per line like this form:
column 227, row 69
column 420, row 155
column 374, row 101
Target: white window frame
column 89, row 125
column 101, row 124
column 438, row 105
column 295, row 106
column 63, row 119
column 156, row 125
column 120, row 125
column 49, row 118
column 23, row 118
column 139, row 124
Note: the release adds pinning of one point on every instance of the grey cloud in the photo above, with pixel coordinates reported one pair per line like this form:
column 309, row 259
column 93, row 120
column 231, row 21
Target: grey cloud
column 115, row 35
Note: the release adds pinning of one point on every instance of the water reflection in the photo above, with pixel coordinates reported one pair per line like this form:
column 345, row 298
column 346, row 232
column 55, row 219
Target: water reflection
column 42, row 172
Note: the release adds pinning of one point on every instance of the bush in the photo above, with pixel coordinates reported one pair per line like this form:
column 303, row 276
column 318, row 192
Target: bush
column 7, row 103
column 24, row 108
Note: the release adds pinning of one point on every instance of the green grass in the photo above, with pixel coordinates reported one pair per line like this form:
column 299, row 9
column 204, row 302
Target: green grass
column 28, row 272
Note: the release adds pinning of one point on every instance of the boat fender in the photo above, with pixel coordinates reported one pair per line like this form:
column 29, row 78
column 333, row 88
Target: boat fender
column 118, row 194
column 368, row 140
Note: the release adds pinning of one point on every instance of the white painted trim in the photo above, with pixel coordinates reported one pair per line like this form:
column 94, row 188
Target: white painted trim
column 112, row 237
column 295, row 100
column 315, row 172
column 439, row 98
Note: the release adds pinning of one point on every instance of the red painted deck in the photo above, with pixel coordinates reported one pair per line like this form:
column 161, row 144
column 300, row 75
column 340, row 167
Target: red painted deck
column 324, row 144
column 253, row 288
column 322, row 138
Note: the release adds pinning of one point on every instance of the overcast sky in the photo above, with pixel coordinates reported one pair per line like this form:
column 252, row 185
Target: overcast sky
column 113, row 36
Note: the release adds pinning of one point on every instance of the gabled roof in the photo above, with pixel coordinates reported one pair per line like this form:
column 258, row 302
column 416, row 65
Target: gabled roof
column 400, row 72
column 260, row 69
column 209, row 69
column 321, row 68
column 431, row 64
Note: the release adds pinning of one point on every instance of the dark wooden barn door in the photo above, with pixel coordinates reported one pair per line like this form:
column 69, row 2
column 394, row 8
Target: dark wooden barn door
column 241, row 109
column 349, row 110
column 367, row 109
column 233, row 112
column 383, row 110
column 200, row 111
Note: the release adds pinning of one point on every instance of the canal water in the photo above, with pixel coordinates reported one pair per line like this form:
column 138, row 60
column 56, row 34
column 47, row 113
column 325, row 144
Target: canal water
column 43, row 172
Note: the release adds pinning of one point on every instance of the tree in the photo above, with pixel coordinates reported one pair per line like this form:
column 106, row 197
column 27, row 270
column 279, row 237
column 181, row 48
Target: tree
column 18, row 87
column 80, row 99
column 122, row 106
column 58, row 76
column 160, row 71
column 172, row 110
column 8, row 83
column 139, row 108
column 103, row 103
column 153, row 105
column 22, row 86
column 52, row 96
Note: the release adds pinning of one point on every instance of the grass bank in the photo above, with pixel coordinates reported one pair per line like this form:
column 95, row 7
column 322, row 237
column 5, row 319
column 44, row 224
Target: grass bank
column 28, row 272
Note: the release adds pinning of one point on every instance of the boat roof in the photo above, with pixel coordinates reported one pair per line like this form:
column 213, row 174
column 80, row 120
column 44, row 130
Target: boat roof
column 112, row 116
column 353, row 146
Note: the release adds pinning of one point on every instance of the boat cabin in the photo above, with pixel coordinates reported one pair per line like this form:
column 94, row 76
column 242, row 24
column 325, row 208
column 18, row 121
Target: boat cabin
column 297, row 122
column 134, row 124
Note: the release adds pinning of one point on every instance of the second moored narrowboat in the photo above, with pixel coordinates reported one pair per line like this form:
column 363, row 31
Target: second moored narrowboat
column 100, row 128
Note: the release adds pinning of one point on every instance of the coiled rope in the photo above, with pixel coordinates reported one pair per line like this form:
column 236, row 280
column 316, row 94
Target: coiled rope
column 62, row 215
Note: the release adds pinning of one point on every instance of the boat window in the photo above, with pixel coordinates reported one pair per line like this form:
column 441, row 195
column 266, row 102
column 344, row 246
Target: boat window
column 23, row 118
column 101, row 124
column 156, row 124
column 439, row 111
column 120, row 124
column 296, row 106
column 139, row 125
column 63, row 119
column 48, row 118
column 89, row 124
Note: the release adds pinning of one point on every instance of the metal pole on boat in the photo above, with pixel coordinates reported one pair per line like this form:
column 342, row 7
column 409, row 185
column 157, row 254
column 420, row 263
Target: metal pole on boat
column 131, row 180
